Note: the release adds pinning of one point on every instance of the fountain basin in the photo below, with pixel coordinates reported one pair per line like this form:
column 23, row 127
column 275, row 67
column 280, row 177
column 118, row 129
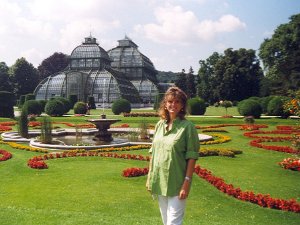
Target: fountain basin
column 103, row 124
column 15, row 137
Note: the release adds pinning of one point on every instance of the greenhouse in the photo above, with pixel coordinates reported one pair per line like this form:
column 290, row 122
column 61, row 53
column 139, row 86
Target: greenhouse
column 123, row 72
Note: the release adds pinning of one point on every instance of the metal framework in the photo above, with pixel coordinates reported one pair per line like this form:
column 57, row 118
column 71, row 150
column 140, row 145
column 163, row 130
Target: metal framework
column 107, row 76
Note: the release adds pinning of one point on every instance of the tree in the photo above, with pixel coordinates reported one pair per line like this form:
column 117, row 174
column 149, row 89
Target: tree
column 6, row 104
column 190, row 84
column 206, row 78
column 181, row 81
column 24, row 76
column 53, row 64
column 226, row 104
column 280, row 55
column 5, row 84
column 235, row 75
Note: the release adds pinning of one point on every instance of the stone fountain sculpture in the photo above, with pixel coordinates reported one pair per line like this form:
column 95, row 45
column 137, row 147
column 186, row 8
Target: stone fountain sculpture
column 103, row 124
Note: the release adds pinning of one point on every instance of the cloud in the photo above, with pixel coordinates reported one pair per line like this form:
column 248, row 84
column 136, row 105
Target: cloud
column 32, row 55
column 71, row 35
column 67, row 10
column 174, row 25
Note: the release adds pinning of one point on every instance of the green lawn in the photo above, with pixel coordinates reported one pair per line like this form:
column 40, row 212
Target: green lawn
column 91, row 190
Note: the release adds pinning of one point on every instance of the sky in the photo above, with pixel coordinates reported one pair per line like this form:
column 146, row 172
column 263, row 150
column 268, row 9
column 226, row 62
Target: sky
column 174, row 34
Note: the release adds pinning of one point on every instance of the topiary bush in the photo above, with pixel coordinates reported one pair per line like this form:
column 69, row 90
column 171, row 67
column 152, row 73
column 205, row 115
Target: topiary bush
column 43, row 104
column 250, row 107
column 66, row 103
column 46, row 130
column 196, row 106
column 73, row 99
column 80, row 108
column 33, row 107
column 54, row 107
column 21, row 101
column 6, row 104
column 23, row 124
column 264, row 101
column 91, row 102
column 121, row 106
column 275, row 107
column 29, row 97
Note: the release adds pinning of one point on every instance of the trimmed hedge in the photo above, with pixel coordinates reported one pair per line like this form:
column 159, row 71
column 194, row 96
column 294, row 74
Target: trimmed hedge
column 73, row 99
column 275, row 107
column 196, row 106
column 250, row 107
column 54, row 107
column 23, row 124
column 121, row 106
column 43, row 104
column 21, row 101
column 33, row 107
column 6, row 104
column 66, row 103
column 80, row 108
column 91, row 102
column 29, row 97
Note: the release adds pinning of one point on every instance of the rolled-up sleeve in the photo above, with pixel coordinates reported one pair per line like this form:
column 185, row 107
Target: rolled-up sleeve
column 193, row 144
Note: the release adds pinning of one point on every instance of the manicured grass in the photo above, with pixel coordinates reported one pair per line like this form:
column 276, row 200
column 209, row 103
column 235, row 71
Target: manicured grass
column 91, row 190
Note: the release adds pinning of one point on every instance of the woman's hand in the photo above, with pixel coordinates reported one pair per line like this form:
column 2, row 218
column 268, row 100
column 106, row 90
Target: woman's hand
column 148, row 184
column 185, row 190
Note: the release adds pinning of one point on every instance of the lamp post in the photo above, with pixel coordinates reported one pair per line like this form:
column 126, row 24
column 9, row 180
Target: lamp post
column 103, row 116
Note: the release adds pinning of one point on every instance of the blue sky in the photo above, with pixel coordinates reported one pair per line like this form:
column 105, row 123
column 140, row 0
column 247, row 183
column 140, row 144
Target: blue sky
column 174, row 34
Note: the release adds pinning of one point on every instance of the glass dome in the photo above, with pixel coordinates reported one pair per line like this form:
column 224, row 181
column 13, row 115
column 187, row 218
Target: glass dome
column 138, row 68
column 104, row 85
column 89, row 55
column 123, row 72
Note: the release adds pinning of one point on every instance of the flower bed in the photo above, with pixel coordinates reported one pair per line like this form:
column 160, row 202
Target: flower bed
column 141, row 114
column 252, row 134
column 258, row 143
column 38, row 162
column 219, row 139
column 291, row 164
column 228, row 152
column 23, row 147
column 5, row 155
column 263, row 200
column 242, row 127
column 135, row 172
column 6, row 126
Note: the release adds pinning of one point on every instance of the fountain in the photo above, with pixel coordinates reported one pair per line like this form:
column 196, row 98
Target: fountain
column 103, row 124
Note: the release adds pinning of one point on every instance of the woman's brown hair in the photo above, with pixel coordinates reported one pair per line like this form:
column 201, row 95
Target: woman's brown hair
column 178, row 94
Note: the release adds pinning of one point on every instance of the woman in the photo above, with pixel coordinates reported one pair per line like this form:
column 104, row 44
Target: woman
column 174, row 153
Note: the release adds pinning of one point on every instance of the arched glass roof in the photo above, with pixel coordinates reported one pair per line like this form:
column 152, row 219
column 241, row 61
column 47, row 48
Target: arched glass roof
column 128, row 59
column 104, row 85
column 123, row 72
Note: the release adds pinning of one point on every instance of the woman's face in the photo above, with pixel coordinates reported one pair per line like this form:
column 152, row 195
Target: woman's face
column 173, row 105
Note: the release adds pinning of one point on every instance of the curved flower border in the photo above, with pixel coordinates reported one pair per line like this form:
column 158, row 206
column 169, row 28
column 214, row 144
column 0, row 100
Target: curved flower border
column 286, row 149
column 5, row 155
column 220, row 139
column 262, row 200
column 252, row 134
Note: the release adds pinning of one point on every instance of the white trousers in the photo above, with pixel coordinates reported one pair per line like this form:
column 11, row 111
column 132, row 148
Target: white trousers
column 171, row 209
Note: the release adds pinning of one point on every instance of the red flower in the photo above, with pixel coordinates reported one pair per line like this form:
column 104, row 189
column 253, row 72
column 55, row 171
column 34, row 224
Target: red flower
column 5, row 155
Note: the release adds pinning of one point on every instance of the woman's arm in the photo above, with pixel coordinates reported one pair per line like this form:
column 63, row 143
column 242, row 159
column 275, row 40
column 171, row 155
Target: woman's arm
column 185, row 189
column 148, row 177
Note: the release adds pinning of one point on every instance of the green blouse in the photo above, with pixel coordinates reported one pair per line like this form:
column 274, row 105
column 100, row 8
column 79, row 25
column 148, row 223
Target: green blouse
column 170, row 151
